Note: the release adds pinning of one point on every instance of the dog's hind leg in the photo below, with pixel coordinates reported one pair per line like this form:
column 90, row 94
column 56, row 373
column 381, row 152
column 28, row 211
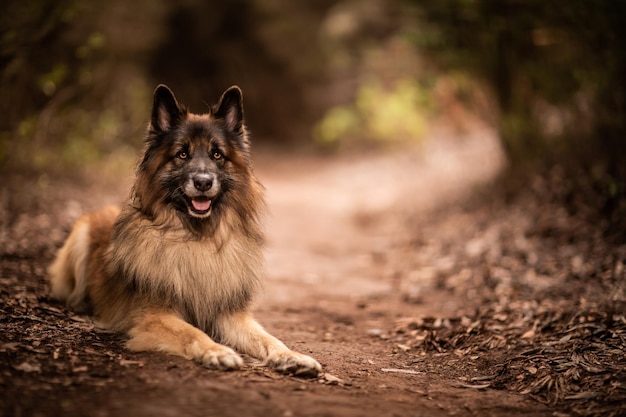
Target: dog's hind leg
column 166, row 332
column 246, row 335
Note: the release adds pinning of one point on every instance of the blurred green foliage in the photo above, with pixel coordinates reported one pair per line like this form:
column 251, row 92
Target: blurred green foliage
column 555, row 69
column 72, row 90
column 77, row 77
column 379, row 114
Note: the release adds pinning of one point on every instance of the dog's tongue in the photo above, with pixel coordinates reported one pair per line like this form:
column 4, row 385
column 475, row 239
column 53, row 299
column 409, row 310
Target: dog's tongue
column 201, row 204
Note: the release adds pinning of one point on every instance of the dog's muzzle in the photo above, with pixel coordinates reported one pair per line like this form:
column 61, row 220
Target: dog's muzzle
column 200, row 190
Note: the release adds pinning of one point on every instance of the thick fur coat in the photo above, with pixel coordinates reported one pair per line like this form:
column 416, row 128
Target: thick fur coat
column 177, row 267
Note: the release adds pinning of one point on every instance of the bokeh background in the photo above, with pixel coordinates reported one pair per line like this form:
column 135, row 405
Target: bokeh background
column 446, row 188
column 322, row 75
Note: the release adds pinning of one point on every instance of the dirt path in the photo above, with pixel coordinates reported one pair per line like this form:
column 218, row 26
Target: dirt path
column 361, row 274
column 330, row 218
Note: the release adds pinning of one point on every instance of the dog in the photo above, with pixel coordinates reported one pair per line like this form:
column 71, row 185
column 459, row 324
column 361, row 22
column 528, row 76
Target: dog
column 176, row 268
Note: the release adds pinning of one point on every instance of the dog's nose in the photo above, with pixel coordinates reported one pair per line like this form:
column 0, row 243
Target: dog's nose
column 202, row 182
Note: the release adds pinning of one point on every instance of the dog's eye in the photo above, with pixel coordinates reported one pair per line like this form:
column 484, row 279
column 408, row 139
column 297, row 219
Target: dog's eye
column 217, row 155
column 182, row 155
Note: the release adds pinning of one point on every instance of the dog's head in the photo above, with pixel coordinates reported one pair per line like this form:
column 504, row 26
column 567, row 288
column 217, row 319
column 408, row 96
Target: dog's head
column 197, row 164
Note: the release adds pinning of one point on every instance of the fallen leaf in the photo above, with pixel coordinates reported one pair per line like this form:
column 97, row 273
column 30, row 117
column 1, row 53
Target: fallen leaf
column 78, row 319
column 480, row 386
column 28, row 367
column 586, row 395
column 331, row 379
column 126, row 362
column 91, row 351
column 8, row 346
column 400, row 371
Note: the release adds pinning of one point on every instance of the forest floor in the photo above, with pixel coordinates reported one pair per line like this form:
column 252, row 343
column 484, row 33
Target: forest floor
column 421, row 287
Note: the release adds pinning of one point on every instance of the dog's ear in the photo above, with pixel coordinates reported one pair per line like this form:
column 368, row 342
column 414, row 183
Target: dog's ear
column 230, row 109
column 166, row 112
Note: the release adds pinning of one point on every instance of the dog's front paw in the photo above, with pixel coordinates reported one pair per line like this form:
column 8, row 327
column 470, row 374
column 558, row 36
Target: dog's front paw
column 221, row 358
column 295, row 363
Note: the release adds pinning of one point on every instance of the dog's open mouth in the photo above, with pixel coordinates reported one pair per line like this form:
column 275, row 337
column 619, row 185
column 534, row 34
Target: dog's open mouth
column 200, row 205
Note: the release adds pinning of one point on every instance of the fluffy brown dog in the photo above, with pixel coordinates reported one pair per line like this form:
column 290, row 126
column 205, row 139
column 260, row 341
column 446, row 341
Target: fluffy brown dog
column 176, row 268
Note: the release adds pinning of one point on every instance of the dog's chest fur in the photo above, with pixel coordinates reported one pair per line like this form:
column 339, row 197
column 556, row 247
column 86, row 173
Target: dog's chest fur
column 199, row 278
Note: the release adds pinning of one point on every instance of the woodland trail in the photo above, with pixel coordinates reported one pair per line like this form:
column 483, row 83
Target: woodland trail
column 328, row 217
column 416, row 302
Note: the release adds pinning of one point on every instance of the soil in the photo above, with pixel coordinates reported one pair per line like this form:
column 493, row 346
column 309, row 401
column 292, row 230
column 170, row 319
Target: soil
column 421, row 289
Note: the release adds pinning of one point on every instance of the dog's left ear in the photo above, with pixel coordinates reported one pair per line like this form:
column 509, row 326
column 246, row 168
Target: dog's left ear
column 230, row 109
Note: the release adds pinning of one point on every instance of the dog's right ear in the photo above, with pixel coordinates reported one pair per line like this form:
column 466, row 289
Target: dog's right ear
column 166, row 112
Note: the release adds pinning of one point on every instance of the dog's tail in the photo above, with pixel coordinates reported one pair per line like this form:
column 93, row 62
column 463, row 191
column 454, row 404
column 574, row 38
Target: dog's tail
column 67, row 273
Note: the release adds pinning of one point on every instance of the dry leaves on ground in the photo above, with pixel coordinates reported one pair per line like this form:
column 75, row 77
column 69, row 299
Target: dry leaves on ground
column 539, row 295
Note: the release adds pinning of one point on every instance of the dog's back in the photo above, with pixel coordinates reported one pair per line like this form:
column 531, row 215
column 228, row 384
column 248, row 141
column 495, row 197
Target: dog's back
column 68, row 272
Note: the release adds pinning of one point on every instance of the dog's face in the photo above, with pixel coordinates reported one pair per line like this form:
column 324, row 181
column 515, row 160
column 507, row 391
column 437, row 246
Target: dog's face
column 196, row 173
column 195, row 163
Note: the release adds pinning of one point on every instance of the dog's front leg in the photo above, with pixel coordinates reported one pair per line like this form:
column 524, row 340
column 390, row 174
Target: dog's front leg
column 242, row 332
column 166, row 332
